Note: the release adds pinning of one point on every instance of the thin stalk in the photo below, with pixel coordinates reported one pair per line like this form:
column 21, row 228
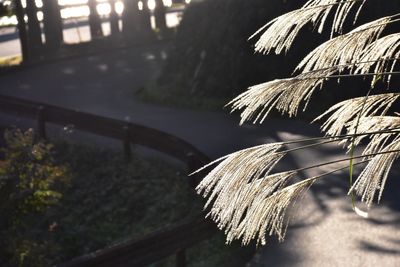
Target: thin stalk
column 315, row 144
column 314, row 178
column 347, row 75
column 351, row 169
column 332, row 139
column 377, row 25
column 346, row 159
column 341, row 137
column 352, row 64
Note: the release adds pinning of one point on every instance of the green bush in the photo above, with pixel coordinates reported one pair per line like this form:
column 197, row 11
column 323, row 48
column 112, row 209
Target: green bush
column 30, row 183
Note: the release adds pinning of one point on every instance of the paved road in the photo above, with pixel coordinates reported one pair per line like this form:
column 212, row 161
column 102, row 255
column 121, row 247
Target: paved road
column 326, row 232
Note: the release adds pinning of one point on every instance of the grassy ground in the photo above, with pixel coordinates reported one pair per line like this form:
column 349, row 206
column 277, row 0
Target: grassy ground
column 10, row 61
column 180, row 98
column 110, row 200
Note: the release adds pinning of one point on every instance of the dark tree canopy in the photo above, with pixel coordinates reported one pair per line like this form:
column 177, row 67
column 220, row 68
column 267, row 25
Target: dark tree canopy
column 212, row 56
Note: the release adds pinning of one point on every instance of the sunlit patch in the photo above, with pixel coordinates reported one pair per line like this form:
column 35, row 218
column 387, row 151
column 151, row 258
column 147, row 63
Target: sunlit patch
column 172, row 20
column 39, row 3
column 119, row 7
column 8, row 20
column 151, row 4
column 150, row 56
column 78, row 9
column 40, row 15
column 167, row 3
column 102, row 67
column 140, row 5
column 74, row 12
column 10, row 60
column 361, row 213
column 69, row 128
column 69, row 71
column 71, row 2
column 103, row 9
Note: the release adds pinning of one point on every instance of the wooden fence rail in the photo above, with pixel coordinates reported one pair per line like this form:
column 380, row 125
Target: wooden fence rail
column 151, row 248
column 108, row 127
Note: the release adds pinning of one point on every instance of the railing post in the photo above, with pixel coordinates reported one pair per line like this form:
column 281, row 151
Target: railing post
column 181, row 258
column 41, row 123
column 126, row 143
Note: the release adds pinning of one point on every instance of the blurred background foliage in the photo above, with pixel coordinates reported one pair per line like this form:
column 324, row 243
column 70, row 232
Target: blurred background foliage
column 213, row 61
column 5, row 9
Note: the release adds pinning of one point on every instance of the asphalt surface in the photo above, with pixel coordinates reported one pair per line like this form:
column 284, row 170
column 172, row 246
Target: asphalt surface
column 326, row 232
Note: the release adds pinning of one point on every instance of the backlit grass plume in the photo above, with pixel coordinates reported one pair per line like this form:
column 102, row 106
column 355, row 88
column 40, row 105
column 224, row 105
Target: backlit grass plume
column 383, row 54
column 386, row 128
column 346, row 111
column 246, row 196
column 284, row 95
column 373, row 178
column 279, row 34
column 345, row 50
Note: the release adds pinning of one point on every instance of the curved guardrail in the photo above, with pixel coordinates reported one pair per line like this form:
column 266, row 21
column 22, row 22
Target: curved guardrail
column 157, row 245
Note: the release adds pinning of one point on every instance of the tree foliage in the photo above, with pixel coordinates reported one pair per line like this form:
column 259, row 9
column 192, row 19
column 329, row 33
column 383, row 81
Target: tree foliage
column 217, row 61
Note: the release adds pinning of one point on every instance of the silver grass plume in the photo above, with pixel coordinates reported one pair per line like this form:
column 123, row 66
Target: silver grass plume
column 237, row 169
column 344, row 49
column 377, row 142
column 249, row 202
column 285, row 95
column 373, row 178
column 379, row 54
column 280, row 33
column 229, row 209
column 267, row 215
column 344, row 112
column 342, row 12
